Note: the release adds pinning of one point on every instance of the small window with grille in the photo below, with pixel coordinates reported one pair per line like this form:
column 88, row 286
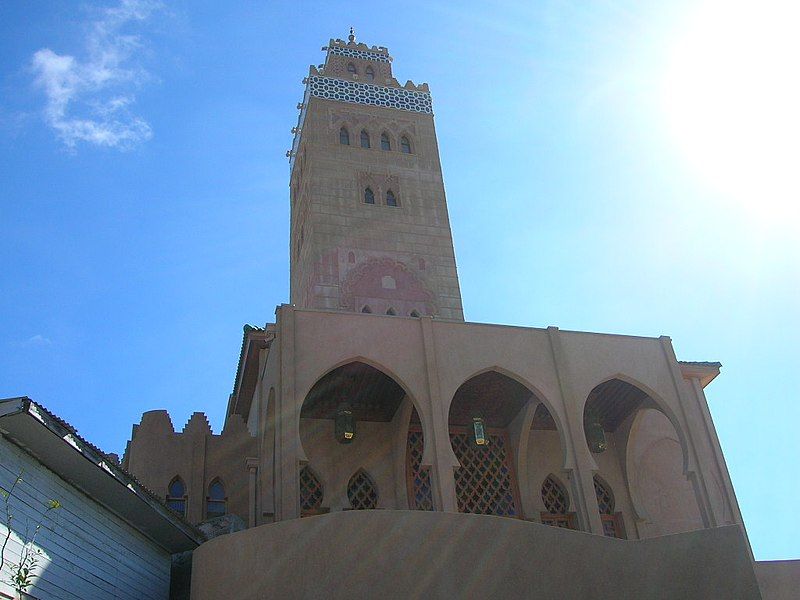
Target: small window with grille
column 344, row 137
column 351, row 68
column 405, row 145
column 370, row 74
column 385, row 143
column 361, row 491
column 364, row 138
column 556, row 501
column 391, row 199
column 612, row 521
column 311, row 492
column 216, row 500
column 176, row 496
column 369, row 196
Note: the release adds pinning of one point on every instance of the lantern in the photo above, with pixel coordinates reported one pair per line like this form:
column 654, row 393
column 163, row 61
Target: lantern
column 479, row 431
column 595, row 435
column 345, row 424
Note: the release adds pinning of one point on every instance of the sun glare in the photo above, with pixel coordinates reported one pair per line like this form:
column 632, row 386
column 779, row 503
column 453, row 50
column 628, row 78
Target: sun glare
column 732, row 96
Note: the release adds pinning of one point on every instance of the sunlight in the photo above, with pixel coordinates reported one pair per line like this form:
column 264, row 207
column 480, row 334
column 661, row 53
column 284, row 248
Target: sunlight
column 732, row 98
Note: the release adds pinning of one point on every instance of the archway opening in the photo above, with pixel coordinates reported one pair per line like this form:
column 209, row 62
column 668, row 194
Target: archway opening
column 550, row 496
column 480, row 421
column 350, row 422
column 613, row 431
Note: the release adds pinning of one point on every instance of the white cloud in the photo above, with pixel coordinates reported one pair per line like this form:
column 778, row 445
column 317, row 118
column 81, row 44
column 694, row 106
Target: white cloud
column 89, row 100
column 37, row 341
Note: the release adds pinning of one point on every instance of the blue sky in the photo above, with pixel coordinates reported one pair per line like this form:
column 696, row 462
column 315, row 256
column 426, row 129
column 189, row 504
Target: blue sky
column 597, row 179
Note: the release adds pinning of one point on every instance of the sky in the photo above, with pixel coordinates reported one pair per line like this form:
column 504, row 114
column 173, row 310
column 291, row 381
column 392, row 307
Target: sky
column 622, row 167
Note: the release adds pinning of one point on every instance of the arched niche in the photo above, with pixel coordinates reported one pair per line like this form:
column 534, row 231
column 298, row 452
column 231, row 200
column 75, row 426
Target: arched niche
column 381, row 409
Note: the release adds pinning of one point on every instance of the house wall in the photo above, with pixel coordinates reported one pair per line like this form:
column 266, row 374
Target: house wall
column 87, row 551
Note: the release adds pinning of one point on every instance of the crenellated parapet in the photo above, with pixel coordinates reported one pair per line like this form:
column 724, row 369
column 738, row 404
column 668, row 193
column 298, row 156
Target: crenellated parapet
column 158, row 455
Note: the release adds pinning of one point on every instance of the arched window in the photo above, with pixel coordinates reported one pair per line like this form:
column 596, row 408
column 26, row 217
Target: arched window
column 556, row 501
column 612, row 521
column 390, row 199
column 405, row 145
column 361, row 491
column 364, row 139
column 176, row 496
column 215, row 501
column 605, row 499
column 311, row 491
column 391, row 312
column 366, row 309
column 385, row 143
column 351, row 257
column 369, row 196
column 413, row 313
column 370, row 74
column 351, row 68
column 344, row 136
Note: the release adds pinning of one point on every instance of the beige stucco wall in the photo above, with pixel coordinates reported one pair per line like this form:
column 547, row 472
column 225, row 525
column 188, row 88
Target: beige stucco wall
column 431, row 359
column 778, row 579
column 412, row 554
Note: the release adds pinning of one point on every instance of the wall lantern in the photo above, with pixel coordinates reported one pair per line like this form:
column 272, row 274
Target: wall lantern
column 595, row 435
column 479, row 431
column 345, row 424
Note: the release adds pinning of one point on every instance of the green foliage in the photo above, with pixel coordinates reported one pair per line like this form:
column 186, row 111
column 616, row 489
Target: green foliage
column 22, row 573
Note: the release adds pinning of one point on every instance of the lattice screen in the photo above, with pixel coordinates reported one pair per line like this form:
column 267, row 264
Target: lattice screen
column 554, row 496
column 419, row 478
column 605, row 499
column 485, row 482
column 311, row 490
column 361, row 491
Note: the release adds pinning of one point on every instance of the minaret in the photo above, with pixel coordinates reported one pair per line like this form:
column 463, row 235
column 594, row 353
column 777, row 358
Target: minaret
column 369, row 225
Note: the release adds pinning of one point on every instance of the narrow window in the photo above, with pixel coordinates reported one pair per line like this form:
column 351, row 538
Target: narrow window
column 421, row 264
column 370, row 74
column 361, row 491
column 176, row 496
column 612, row 521
column 391, row 312
column 311, row 491
column 390, row 199
column 405, row 146
column 351, row 68
column 364, row 139
column 369, row 196
column 385, row 143
column 366, row 310
column 351, row 257
column 414, row 313
column 215, row 502
column 344, row 137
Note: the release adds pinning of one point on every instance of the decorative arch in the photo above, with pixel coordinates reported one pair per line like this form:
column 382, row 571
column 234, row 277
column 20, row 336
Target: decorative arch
column 365, row 280
column 388, row 373
column 658, row 403
column 362, row 491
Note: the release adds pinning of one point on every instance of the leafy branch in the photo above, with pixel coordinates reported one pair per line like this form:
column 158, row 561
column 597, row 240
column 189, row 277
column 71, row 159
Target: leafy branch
column 23, row 572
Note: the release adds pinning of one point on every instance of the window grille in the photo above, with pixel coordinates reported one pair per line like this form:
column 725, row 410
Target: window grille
column 361, row 491
column 344, row 137
column 311, row 491
column 215, row 502
column 385, row 143
column 605, row 500
column 176, row 496
column 364, row 139
column 485, row 482
column 420, row 491
column 554, row 496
